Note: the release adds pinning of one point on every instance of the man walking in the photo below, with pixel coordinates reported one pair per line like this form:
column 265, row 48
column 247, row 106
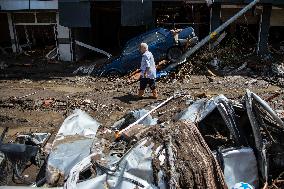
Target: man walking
column 148, row 71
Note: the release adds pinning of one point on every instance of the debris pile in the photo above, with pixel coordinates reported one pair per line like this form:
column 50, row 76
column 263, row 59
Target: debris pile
column 183, row 158
column 213, row 143
column 230, row 58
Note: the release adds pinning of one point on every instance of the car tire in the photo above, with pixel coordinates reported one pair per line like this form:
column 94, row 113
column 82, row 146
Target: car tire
column 174, row 54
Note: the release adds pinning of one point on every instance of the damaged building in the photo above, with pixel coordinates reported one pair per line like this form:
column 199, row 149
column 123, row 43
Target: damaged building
column 28, row 24
column 70, row 29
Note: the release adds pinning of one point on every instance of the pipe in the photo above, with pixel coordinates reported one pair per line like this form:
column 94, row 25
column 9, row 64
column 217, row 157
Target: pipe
column 144, row 116
column 253, row 121
column 268, row 109
column 93, row 48
column 211, row 35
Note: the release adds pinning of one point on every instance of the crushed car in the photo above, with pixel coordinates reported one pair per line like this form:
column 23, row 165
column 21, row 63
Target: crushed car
column 163, row 43
column 213, row 143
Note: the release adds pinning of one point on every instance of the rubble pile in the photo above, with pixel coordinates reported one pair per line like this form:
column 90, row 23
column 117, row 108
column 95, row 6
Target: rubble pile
column 231, row 58
column 212, row 143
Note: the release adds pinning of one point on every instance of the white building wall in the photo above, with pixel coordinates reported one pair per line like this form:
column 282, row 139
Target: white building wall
column 64, row 42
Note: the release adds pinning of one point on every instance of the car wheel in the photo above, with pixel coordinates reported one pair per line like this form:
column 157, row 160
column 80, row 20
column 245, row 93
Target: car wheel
column 174, row 53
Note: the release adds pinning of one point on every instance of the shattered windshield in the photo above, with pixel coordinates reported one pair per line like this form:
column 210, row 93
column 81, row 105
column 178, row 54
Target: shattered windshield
column 149, row 39
column 132, row 46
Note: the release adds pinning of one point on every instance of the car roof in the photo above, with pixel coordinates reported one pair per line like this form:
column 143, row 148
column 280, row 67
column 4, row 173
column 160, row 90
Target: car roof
column 160, row 30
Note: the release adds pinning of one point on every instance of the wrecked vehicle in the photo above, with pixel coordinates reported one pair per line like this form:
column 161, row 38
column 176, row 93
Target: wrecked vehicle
column 213, row 143
column 163, row 43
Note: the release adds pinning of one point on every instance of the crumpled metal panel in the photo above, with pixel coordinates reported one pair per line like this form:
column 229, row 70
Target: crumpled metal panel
column 268, row 131
column 200, row 109
column 228, row 114
column 72, row 143
column 138, row 161
column 67, row 154
column 197, row 111
column 134, row 170
column 132, row 116
column 240, row 165
column 79, row 123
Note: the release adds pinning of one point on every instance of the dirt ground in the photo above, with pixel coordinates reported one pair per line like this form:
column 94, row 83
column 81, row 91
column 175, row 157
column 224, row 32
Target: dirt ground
column 36, row 95
column 52, row 99
column 106, row 101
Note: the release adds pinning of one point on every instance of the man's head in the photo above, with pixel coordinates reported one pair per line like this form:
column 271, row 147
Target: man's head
column 143, row 47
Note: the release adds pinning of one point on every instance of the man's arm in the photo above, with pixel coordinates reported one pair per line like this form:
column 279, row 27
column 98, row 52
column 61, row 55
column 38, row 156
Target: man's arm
column 147, row 65
column 146, row 71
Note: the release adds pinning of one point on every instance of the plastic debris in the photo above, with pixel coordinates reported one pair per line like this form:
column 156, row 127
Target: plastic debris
column 242, row 185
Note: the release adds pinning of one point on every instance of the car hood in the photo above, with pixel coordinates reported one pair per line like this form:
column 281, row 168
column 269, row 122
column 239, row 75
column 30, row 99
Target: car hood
column 113, row 63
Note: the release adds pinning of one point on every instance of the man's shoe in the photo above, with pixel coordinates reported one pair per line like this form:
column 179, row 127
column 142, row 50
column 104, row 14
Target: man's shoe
column 155, row 94
column 140, row 93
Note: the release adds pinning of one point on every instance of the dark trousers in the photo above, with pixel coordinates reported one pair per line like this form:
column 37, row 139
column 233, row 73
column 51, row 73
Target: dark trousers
column 144, row 82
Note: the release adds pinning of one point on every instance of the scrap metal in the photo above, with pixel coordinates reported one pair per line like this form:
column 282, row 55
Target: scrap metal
column 144, row 116
column 93, row 48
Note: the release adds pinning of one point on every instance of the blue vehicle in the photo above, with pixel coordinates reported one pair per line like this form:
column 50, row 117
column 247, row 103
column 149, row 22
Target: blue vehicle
column 162, row 43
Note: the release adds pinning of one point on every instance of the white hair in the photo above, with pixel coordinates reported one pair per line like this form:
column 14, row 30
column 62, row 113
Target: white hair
column 144, row 45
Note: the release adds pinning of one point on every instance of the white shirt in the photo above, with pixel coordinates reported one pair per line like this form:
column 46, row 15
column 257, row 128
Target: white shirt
column 148, row 62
